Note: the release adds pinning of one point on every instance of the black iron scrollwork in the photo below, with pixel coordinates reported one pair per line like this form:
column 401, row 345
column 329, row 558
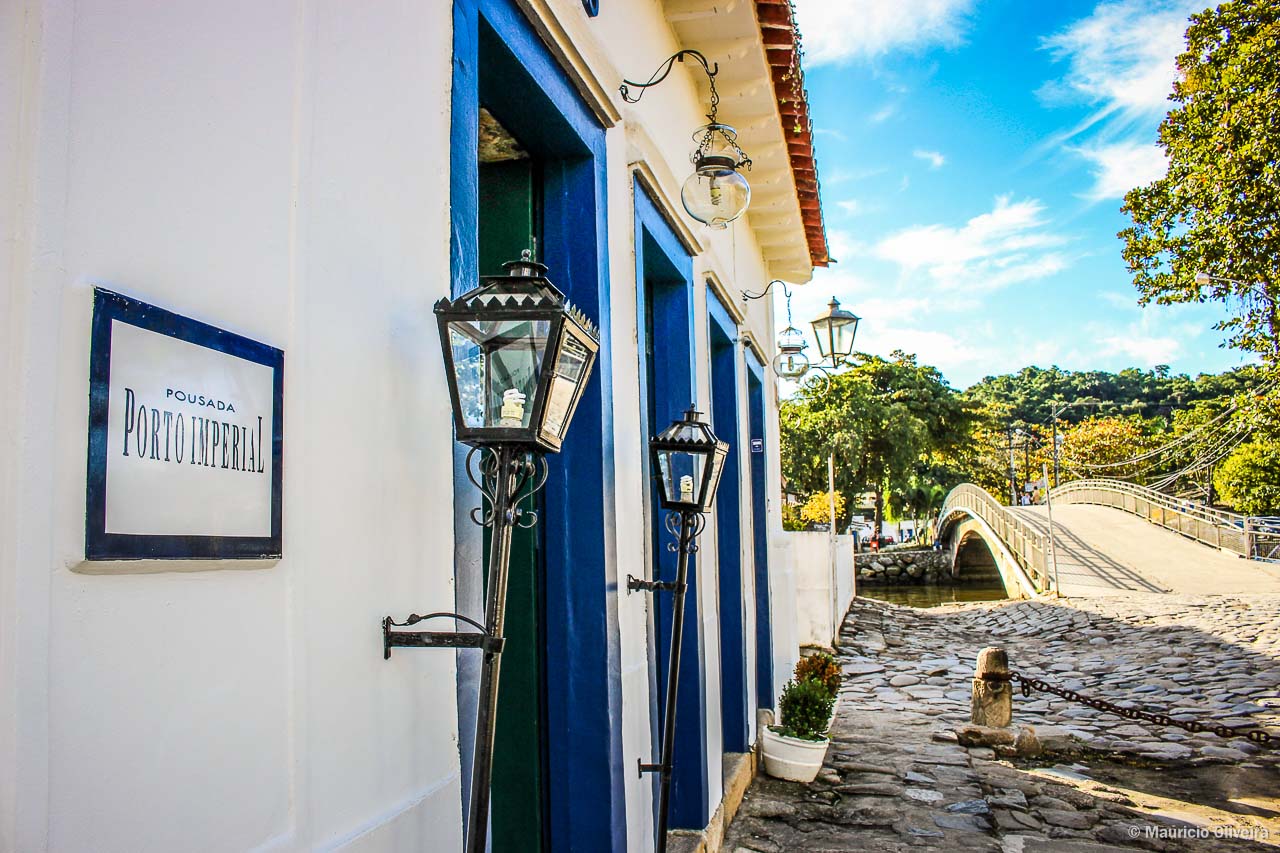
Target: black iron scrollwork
column 675, row 522
column 522, row 468
column 711, row 69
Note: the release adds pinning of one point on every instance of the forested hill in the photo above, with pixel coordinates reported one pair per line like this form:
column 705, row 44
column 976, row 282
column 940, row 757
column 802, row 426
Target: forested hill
column 1028, row 395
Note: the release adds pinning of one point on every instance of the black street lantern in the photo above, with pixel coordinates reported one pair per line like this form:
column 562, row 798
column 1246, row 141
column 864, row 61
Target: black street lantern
column 687, row 461
column 517, row 356
column 835, row 329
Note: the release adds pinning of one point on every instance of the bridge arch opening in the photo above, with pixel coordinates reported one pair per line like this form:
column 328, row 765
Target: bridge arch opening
column 974, row 561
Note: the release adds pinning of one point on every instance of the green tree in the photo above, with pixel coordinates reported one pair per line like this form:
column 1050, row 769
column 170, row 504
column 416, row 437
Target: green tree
column 1103, row 446
column 817, row 509
column 880, row 419
column 1249, row 479
column 1218, row 207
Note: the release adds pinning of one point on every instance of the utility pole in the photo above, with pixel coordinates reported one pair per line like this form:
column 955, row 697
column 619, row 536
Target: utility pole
column 1057, row 447
column 1053, row 551
column 1013, row 473
column 831, row 505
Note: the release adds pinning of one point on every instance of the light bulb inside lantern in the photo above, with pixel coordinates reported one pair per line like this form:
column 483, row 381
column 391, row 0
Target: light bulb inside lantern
column 512, row 408
column 686, row 489
column 716, row 193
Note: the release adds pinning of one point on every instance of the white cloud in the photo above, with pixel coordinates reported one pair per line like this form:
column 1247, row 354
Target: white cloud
column 935, row 159
column 852, row 206
column 838, row 30
column 1121, row 166
column 1156, row 337
column 1141, row 349
column 1122, row 55
column 883, row 114
column 1007, row 245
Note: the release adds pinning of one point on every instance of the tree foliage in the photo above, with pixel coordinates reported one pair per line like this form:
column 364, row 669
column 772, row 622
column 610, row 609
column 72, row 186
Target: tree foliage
column 1028, row 397
column 883, row 420
column 1249, row 479
column 1102, row 446
column 817, row 509
column 1217, row 209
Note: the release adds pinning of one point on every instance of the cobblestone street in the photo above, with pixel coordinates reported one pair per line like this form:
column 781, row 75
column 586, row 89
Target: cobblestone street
column 896, row 779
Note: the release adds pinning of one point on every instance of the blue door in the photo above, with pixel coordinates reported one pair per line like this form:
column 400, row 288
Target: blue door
column 664, row 281
column 724, row 420
column 760, row 531
column 568, row 795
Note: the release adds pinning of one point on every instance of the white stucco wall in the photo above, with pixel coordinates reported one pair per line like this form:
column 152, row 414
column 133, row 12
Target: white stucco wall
column 247, row 164
column 808, row 556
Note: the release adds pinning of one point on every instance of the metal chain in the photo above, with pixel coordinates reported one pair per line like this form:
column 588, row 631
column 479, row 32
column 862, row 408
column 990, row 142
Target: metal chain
column 1029, row 684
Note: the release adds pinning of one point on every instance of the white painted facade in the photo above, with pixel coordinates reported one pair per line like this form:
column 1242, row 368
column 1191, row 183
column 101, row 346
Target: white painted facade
column 281, row 170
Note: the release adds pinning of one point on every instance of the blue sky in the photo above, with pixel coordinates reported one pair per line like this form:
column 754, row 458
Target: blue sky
column 973, row 155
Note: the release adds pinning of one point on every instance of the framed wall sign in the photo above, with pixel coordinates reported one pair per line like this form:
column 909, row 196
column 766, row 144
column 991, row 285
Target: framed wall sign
column 185, row 438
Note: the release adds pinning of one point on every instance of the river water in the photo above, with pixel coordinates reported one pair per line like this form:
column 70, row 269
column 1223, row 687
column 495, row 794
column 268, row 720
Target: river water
column 931, row 595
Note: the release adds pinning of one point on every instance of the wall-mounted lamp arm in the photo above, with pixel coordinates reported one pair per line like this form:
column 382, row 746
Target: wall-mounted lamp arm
column 711, row 70
column 748, row 295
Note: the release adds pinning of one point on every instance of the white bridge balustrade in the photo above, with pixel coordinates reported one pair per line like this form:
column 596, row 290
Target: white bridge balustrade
column 1257, row 538
column 1027, row 545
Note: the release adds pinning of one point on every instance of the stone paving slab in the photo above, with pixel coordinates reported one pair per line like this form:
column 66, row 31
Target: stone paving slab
column 895, row 778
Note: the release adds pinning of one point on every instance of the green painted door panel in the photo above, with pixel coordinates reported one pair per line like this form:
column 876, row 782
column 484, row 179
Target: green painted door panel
column 508, row 225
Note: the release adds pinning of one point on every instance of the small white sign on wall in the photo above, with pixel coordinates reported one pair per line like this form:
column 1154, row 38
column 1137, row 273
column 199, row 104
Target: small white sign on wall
column 185, row 438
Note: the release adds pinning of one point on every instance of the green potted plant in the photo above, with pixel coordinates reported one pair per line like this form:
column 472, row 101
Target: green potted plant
column 794, row 749
column 821, row 667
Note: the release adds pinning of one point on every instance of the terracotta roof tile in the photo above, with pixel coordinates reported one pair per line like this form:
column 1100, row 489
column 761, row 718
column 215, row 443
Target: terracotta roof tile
column 777, row 29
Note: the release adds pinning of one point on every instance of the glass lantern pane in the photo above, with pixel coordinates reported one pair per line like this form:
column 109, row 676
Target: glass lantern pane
column 820, row 331
column 716, row 197
column 571, row 365
column 844, row 337
column 681, row 475
column 713, row 482
column 468, row 368
column 496, row 363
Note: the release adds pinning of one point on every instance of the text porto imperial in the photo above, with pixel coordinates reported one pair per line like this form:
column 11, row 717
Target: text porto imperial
column 187, row 438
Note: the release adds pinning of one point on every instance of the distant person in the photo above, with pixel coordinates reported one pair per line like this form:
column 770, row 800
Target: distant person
column 1026, row 499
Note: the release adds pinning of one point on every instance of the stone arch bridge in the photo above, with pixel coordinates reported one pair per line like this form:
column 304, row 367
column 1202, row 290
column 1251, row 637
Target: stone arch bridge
column 1109, row 538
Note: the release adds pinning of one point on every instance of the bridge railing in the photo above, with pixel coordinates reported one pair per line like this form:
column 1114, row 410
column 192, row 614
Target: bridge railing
column 1028, row 546
column 1264, row 538
column 1239, row 534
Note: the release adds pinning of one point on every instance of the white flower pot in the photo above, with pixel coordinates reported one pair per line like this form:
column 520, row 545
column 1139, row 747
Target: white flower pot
column 792, row 758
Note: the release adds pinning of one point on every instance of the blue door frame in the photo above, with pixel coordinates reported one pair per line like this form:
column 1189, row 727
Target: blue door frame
column 524, row 85
column 733, row 636
column 664, row 284
column 759, row 531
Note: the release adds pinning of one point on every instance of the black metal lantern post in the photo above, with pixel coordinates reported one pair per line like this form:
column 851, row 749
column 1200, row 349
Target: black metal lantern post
column 834, row 328
column 517, row 356
column 687, row 461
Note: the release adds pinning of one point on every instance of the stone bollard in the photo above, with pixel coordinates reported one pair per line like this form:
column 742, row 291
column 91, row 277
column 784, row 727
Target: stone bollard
column 992, row 697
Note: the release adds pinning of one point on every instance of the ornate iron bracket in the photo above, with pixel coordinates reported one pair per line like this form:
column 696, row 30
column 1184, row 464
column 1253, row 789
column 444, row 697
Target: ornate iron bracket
column 786, row 291
column 479, row 639
column 711, row 69
column 635, row 584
